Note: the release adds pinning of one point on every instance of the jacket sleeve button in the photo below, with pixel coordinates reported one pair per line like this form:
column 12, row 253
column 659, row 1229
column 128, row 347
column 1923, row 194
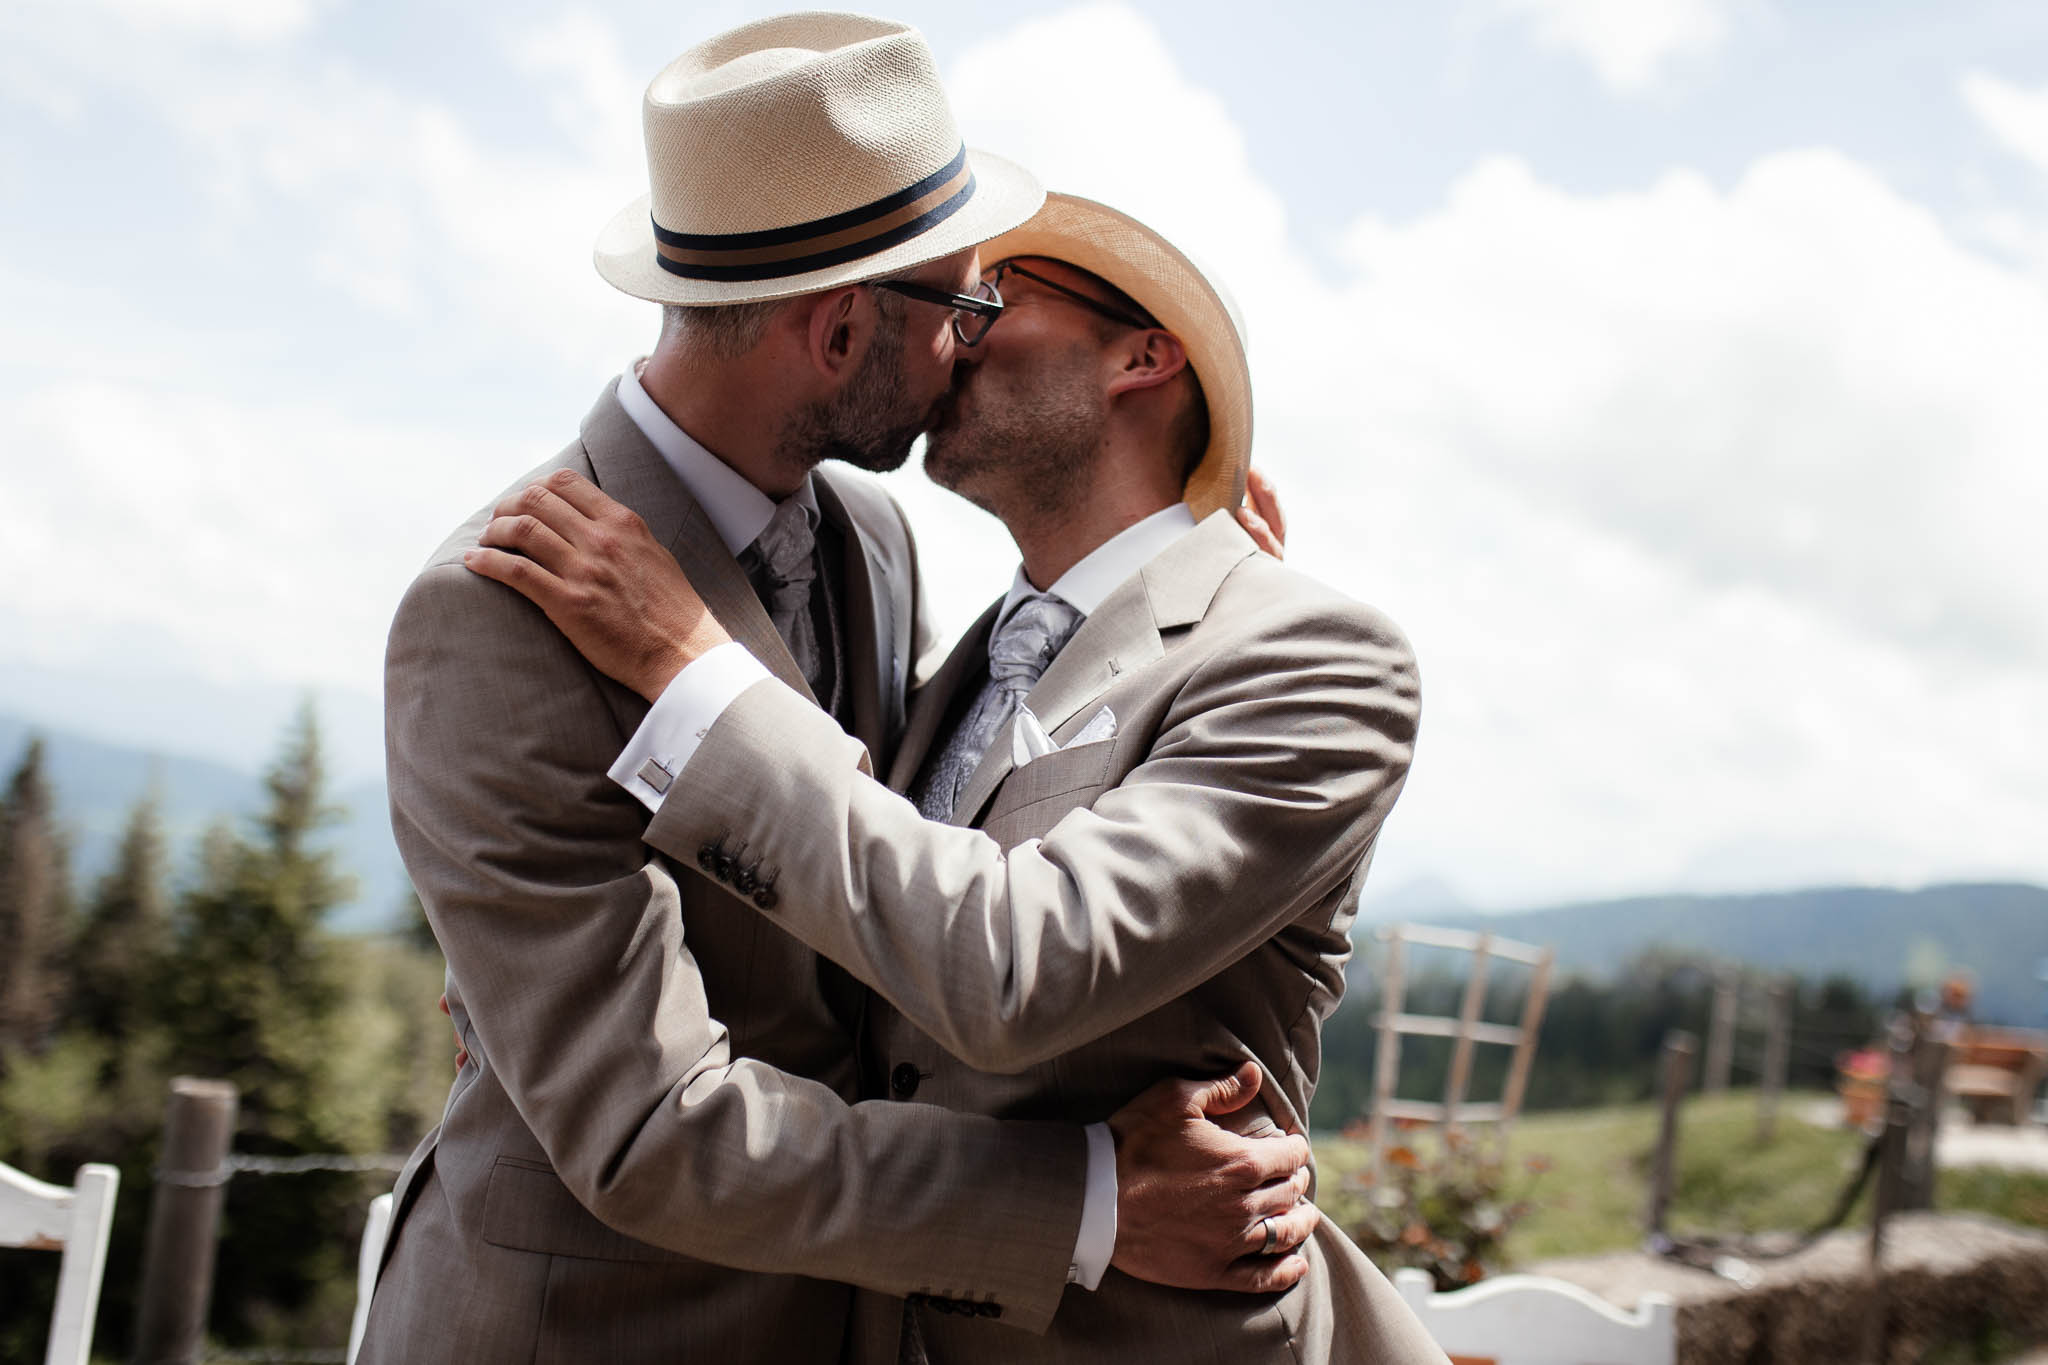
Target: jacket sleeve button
column 903, row 1080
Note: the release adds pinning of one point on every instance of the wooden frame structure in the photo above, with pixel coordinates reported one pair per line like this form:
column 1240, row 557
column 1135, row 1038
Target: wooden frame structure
column 1466, row 1030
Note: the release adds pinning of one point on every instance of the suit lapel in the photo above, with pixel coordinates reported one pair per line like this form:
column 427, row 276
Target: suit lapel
column 1121, row 636
column 867, row 613
column 966, row 666
column 631, row 470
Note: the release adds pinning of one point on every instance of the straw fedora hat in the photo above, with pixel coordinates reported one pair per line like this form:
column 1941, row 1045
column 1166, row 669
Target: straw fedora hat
column 1188, row 301
column 799, row 153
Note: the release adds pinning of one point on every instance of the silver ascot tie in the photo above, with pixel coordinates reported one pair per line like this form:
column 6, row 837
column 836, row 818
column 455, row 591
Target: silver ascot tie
column 782, row 564
column 1022, row 648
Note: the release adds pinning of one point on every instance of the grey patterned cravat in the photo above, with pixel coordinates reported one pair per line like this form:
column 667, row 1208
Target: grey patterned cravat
column 782, row 565
column 1022, row 648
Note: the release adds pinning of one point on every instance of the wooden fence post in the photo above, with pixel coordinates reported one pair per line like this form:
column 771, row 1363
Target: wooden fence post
column 1387, row 1059
column 1885, row 1200
column 1679, row 1047
column 184, row 1221
column 1930, row 1073
column 1777, row 1050
column 1721, row 1032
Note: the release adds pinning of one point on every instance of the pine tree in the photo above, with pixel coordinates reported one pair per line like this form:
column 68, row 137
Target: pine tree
column 255, row 995
column 35, row 907
column 252, row 991
column 122, row 944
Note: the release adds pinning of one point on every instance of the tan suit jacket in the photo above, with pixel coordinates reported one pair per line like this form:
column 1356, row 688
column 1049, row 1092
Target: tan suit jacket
column 1172, row 900
column 652, row 1156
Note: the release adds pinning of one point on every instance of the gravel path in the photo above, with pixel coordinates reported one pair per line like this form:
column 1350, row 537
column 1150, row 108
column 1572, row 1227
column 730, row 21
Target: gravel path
column 1961, row 1142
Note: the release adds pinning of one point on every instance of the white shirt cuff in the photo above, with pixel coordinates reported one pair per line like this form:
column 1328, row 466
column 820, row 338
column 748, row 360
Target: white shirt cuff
column 680, row 718
column 1097, row 1240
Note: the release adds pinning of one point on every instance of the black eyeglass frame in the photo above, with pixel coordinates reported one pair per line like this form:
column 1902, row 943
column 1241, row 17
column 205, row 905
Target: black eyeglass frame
column 1108, row 310
column 972, row 314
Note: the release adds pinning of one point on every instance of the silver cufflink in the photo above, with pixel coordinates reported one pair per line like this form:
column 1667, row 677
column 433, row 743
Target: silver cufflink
column 655, row 776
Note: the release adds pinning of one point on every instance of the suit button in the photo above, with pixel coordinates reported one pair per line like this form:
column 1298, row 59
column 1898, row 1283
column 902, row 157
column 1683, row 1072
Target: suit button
column 989, row 1310
column 903, row 1080
column 707, row 858
column 766, row 898
column 744, row 881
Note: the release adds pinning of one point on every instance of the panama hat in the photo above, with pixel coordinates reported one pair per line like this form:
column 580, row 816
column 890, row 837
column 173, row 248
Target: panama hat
column 799, row 153
column 1186, row 299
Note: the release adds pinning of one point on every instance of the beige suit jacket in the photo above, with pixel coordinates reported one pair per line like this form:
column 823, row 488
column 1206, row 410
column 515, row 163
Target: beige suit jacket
column 1172, row 900
column 652, row 1155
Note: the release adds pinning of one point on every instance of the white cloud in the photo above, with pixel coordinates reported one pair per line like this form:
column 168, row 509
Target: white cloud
column 2016, row 116
column 1705, row 505
column 1707, row 509
column 1802, row 384
column 403, row 205
column 241, row 21
column 1631, row 44
column 272, row 542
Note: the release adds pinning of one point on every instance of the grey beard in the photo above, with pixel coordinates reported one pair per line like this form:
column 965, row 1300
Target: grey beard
column 863, row 424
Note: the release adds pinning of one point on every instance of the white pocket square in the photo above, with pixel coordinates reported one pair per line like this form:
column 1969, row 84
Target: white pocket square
column 1028, row 739
column 1100, row 726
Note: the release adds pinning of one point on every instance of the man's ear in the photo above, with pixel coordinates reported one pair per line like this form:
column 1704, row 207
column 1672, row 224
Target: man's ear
column 1145, row 360
column 837, row 328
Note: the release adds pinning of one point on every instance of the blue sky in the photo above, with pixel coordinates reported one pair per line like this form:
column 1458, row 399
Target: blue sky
column 1669, row 368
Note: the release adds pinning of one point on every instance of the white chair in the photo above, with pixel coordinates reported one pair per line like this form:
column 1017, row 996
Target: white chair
column 1531, row 1320
column 376, row 1228
column 75, row 1221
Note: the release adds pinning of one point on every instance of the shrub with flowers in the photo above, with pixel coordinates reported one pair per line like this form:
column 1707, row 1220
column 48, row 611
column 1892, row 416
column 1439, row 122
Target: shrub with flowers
column 1448, row 1212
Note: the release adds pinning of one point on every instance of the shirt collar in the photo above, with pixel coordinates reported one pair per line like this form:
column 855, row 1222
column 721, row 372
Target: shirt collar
column 1103, row 569
column 739, row 511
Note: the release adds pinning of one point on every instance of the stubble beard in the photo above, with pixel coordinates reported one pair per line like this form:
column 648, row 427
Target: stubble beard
column 868, row 423
column 1025, row 441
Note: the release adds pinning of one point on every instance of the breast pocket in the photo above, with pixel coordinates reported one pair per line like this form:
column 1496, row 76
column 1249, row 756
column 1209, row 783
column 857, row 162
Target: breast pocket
column 1034, row 797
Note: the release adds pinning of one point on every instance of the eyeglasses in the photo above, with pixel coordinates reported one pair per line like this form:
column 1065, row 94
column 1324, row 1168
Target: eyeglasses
column 973, row 314
column 1108, row 310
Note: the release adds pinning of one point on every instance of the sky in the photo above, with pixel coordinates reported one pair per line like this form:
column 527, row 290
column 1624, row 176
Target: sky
column 1670, row 370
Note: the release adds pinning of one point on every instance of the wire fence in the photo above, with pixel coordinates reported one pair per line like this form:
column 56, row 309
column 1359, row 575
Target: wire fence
column 185, row 1222
column 236, row 1164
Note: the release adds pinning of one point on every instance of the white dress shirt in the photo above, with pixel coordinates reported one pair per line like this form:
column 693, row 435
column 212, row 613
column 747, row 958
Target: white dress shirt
column 698, row 696
column 738, row 510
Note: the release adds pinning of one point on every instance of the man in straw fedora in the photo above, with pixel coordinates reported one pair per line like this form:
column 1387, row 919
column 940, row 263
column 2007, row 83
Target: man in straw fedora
column 653, row 1149
column 1137, row 800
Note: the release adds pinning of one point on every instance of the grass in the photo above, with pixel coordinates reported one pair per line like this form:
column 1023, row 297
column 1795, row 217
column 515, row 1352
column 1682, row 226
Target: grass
column 1591, row 1197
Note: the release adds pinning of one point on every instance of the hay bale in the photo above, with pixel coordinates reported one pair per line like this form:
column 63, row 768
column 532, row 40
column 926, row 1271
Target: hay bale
column 1946, row 1278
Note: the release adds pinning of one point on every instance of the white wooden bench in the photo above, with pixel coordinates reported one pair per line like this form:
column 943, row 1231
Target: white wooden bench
column 75, row 1221
column 1531, row 1320
column 376, row 1228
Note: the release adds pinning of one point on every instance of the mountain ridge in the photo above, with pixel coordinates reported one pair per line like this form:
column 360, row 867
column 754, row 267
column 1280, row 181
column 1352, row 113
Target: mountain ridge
column 1882, row 937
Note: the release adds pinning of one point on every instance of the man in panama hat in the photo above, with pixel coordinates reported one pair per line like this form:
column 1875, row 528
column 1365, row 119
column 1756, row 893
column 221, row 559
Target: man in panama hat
column 651, row 1152
column 1138, row 799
